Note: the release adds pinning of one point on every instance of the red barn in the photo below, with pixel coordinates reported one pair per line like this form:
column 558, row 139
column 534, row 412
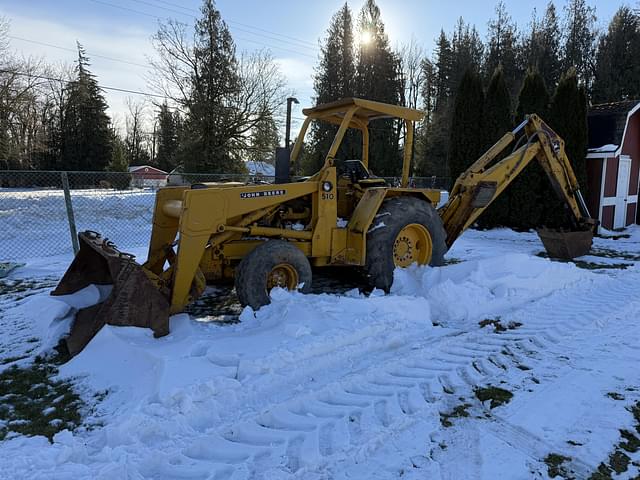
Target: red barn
column 613, row 163
column 147, row 176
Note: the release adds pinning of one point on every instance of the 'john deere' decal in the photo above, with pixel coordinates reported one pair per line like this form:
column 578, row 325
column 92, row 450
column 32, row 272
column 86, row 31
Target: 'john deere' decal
column 267, row 193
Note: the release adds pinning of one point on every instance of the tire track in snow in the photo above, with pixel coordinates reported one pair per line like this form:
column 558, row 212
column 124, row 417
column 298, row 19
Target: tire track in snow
column 352, row 417
column 587, row 313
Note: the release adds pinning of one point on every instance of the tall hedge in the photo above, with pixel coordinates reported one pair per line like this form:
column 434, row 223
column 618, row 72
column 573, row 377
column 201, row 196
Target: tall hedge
column 467, row 131
column 498, row 120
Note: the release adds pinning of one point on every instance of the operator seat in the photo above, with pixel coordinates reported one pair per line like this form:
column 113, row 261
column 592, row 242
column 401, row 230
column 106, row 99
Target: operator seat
column 358, row 174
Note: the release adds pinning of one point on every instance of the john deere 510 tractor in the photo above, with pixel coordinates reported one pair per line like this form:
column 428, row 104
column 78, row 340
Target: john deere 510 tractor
column 271, row 235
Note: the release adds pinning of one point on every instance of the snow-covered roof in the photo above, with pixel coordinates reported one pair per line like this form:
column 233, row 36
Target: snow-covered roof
column 262, row 168
column 136, row 168
column 608, row 123
column 604, row 149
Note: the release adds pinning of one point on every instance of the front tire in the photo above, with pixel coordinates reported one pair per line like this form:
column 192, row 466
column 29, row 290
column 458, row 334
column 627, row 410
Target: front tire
column 406, row 230
column 275, row 263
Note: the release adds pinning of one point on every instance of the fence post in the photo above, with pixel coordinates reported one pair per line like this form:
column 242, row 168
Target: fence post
column 70, row 217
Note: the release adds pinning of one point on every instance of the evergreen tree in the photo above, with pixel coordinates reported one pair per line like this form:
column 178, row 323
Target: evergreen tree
column 86, row 134
column 568, row 117
column 580, row 38
column 498, row 120
column 543, row 46
column 168, row 138
column 467, row 131
column 264, row 140
column 502, row 48
column 524, row 194
column 119, row 158
column 466, row 52
column 444, row 72
column 207, row 136
column 334, row 79
column 617, row 75
column 377, row 78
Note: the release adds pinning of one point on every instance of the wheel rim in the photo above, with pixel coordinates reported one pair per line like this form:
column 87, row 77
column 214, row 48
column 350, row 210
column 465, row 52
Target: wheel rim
column 412, row 245
column 282, row 275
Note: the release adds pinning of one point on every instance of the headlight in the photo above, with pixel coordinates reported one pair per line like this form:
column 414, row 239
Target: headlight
column 327, row 187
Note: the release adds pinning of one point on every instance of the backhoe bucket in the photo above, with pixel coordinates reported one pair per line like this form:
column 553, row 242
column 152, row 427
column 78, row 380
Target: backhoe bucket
column 566, row 244
column 135, row 300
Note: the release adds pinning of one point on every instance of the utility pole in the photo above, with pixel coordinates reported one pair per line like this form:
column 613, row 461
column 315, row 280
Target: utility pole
column 287, row 134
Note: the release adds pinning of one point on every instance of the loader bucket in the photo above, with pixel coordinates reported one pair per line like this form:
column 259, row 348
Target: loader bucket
column 135, row 300
column 566, row 244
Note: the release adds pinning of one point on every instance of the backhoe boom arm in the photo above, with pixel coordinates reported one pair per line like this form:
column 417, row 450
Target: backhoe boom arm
column 481, row 184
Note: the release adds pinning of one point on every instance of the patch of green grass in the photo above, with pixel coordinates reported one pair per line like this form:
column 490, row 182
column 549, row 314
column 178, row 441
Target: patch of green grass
column 33, row 403
column 632, row 443
column 21, row 288
column 613, row 237
column 458, row 412
column 618, row 461
column 587, row 265
column 453, row 261
column 555, row 465
column 498, row 327
column 498, row 396
column 615, row 396
column 6, row 360
column 609, row 253
column 602, row 473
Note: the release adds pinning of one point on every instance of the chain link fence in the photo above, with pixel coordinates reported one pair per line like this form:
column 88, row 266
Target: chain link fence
column 35, row 207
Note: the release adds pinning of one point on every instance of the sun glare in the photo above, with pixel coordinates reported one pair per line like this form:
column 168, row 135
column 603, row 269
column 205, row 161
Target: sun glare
column 365, row 37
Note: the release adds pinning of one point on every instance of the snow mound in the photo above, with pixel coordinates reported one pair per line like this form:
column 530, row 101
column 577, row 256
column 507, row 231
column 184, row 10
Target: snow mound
column 471, row 290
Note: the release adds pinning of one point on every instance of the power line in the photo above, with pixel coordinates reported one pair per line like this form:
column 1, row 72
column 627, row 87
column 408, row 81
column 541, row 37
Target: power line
column 303, row 43
column 36, row 42
column 112, row 5
column 102, row 87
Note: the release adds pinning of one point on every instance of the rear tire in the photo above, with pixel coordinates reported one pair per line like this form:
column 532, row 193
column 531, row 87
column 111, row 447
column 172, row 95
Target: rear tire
column 387, row 248
column 273, row 263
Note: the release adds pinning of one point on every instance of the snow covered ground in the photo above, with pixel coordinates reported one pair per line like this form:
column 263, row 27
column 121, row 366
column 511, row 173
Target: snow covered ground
column 33, row 222
column 328, row 386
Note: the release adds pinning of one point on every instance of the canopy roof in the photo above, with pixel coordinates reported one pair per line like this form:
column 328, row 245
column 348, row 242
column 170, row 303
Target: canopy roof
column 368, row 110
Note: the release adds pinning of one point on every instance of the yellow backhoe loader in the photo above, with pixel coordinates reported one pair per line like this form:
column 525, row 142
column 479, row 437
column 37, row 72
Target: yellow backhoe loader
column 267, row 235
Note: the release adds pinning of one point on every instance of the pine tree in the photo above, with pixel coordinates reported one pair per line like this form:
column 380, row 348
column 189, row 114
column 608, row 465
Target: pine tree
column 206, row 146
column 467, row 131
column 334, row 79
column 617, row 75
column 568, row 118
column 543, row 47
column 377, row 78
column 580, row 38
column 466, row 52
column 86, row 134
column 498, row 120
column 524, row 194
column 502, row 48
column 168, row 135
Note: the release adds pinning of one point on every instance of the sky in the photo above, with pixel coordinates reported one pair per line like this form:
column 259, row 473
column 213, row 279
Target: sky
column 117, row 33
